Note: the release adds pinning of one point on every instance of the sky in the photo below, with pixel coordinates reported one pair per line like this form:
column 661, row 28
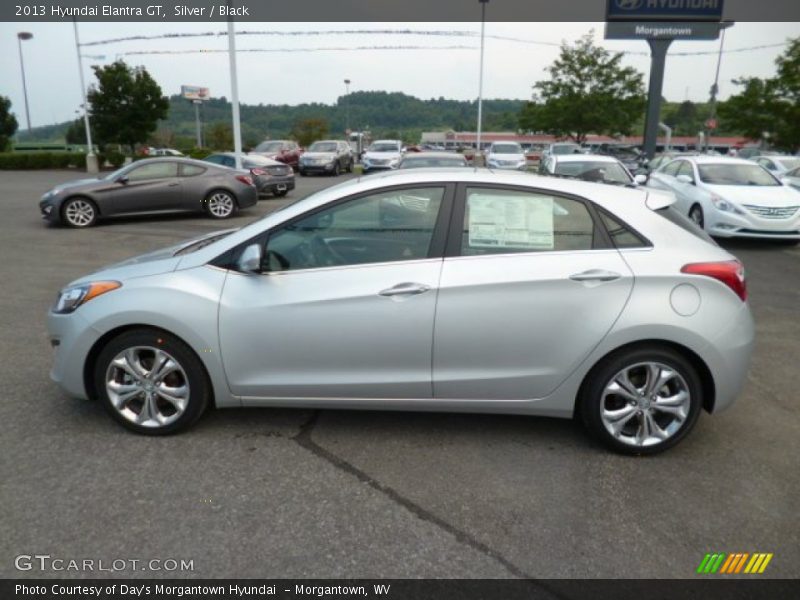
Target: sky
column 510, row 67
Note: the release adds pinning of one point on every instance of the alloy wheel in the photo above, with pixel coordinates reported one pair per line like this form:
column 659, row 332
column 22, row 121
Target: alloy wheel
column 147, row 386
column 79, row 213
column 220, row 205
column 645, row 404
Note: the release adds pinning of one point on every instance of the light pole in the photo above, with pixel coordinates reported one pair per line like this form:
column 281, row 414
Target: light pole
column 21, row 37
column 91, row 157
column 480, row 80
column 347, row 106
column 711, row 123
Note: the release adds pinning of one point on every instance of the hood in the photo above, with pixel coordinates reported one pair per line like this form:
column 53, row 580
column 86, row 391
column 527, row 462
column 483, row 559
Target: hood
column 320, row 155
column 159, row 261
column 768, row 196
column 77, row 183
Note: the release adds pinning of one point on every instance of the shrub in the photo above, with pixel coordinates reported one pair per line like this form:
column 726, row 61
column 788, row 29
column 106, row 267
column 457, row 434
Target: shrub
column 116, row 159
column 41, row 160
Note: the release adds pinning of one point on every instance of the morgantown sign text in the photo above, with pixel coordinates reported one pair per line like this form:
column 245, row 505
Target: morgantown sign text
column 659, row 22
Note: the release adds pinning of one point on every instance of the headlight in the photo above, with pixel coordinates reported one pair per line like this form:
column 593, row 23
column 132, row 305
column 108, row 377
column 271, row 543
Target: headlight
column 72, row 297
column 724, row 205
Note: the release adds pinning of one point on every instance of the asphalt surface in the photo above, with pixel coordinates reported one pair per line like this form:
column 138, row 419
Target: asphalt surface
column 298, row 493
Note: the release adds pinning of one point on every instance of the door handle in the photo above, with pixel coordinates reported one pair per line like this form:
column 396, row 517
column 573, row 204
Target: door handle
column 405, row 289
column 595, row 275
column 176, row 184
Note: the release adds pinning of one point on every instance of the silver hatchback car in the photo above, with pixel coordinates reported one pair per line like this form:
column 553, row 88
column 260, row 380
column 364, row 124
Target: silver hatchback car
column 444, row 290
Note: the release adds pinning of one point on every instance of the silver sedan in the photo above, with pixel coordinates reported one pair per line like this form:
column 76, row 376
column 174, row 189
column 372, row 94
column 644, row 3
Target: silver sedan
column 442, row 290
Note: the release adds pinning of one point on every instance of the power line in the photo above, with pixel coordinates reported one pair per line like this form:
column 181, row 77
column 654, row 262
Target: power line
column 420, row 32
column 280, row 50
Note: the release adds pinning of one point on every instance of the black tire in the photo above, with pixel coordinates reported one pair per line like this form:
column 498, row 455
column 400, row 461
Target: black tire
column 302, row 173
column 146, row 341
column 214, row 202
column 696, row 215
column 592, row 399
column 350, row 166
column 336, row 169
column 79, row 212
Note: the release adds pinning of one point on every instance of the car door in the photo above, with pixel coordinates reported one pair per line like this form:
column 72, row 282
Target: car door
column 152, row 186
column 530, row 285
column 345, row 304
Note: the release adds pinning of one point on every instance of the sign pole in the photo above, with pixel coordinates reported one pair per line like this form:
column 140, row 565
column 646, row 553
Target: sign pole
column 658, row 52
column 196, row 103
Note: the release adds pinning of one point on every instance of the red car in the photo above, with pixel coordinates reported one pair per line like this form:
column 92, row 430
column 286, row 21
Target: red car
column 285, row 151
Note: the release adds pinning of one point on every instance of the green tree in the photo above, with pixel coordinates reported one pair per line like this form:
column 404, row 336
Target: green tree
column 306, row 131
column 769, row 105
column 76, row 132
column 8, row 123
column 126, row 104
column 589, row 91
column 220, row 137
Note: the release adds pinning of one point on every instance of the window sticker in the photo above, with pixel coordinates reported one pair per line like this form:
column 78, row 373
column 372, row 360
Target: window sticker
column 513, row 222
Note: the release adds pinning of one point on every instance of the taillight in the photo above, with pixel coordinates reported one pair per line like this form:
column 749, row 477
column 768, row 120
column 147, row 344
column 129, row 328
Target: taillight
column 730, row 272
column 258, row 171
column 245, row 179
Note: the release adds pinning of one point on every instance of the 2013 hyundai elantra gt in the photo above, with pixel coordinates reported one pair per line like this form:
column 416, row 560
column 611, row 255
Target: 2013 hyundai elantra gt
column 445, row 290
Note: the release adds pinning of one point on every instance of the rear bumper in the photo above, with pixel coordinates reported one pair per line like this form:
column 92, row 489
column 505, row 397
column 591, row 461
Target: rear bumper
column 272, row 185
column 247, row 196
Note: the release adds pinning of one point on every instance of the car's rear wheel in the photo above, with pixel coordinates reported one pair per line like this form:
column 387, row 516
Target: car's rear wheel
column 79, row 212
column 151, row 382
column 641, row 400
column 696, row 215
column 220, row 204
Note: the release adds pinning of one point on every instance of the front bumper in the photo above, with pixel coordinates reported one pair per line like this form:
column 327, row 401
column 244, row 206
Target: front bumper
column 72, row 338
column 728, row 225
column 50, row 211
column 317, row 167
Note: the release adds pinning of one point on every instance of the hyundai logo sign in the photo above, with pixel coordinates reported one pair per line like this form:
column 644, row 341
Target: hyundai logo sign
column 664, row 10
column 629, row 4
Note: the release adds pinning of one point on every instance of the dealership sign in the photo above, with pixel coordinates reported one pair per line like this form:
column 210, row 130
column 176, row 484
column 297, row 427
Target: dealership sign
column 194, row 92
column 664, row 10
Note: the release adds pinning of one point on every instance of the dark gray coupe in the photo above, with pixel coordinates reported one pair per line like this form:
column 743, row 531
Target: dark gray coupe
column 156, row 185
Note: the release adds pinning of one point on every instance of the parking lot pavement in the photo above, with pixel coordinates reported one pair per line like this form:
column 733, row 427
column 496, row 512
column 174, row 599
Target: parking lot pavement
column 297, row 493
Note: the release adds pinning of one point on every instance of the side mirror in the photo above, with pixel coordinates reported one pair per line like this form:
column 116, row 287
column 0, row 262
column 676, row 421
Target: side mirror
column 250, row 259
column 685, row 179
column 123, row 180
column 640, row 179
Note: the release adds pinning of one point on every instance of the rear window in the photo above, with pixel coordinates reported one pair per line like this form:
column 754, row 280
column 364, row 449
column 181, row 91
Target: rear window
column 621, row 234
column 672, row 215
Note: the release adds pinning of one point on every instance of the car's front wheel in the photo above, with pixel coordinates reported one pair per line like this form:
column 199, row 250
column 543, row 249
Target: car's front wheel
column 641, row 400
column 220, row 204
column 151, row 382
column 79, row 212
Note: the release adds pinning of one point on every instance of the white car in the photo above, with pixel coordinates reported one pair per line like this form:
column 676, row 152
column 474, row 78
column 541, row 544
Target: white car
column 590, row 167
column 506, row 155
column 778, row 165
column 732, row 197
column 382, row 155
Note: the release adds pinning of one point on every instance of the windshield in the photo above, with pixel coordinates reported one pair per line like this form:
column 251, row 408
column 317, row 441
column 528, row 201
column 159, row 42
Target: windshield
column 721, row 174
column 566, row 149
column 323, row 147
column 606, row 172
column 506, row 149
column 269, row 147
column 789, row 163
column 412, row 163
column 384, row 148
